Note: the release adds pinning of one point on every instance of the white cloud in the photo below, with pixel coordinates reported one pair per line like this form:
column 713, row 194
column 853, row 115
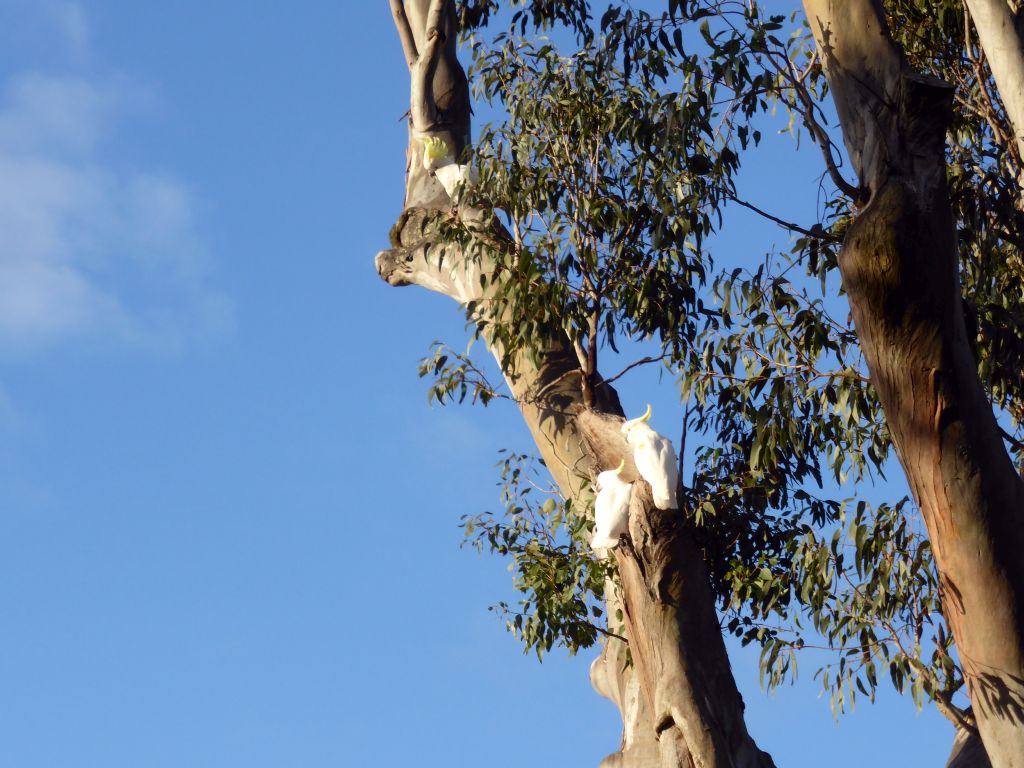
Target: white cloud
column 87, row 248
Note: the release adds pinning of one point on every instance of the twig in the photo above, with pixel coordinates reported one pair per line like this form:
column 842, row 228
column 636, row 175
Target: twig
column 682, row 443
column 823, row 141
column 1017, row 444
column 634, row 364
column 820, row 234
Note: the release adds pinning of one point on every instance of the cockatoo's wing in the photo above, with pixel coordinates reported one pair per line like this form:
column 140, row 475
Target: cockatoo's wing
column 611, row 510
column 451, row 176
column 655, row 460
column 668, row 474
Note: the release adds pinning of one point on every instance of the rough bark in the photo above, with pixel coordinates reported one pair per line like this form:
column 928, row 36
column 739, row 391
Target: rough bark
column 1000, row 36
column 679, row 701
column 899, row 268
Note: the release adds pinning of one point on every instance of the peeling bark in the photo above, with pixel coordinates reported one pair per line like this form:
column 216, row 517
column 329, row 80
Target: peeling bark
column 899, row 268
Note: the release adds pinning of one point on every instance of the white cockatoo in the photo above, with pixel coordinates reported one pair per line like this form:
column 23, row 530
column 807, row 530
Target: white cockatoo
column 655, row 460
column 611, row 509
column 437, row 158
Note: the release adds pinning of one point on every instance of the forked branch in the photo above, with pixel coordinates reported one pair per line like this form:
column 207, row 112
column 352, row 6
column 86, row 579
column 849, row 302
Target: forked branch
column 404, row 32
column 424, row 107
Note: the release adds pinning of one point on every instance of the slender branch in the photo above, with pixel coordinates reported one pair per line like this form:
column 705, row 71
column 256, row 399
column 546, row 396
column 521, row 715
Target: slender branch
column 818, row 133
column 634, row 364
column 682, row 443
column 819, row 235
column 1017, row 444
column 943, row 700
column 822, row 139
column 607, row 632
column 404, row 32
column 597, row 628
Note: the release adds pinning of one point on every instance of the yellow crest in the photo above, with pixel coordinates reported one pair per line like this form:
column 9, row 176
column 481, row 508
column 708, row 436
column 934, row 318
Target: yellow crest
column 434, row 148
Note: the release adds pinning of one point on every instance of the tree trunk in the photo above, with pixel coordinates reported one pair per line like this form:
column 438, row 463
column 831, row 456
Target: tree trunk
column 675, row 639
column 679, row 701
column 899, row 267
column 1001, row 40
column 968, row 751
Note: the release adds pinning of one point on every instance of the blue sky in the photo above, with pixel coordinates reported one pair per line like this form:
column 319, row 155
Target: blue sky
column 228, row 518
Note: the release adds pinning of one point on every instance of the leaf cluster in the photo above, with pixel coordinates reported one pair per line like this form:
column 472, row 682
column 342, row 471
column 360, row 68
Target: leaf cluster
column 544, row 538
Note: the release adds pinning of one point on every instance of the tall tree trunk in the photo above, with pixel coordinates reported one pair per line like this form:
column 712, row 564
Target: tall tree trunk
column 1001, row 40
column 899, row 267
column 679, row 701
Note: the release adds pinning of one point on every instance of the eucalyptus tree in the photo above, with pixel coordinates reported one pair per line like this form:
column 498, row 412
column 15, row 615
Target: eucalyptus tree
column 591, row 228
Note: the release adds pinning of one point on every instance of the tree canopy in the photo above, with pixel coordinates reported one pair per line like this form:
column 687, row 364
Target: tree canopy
column 613, row 163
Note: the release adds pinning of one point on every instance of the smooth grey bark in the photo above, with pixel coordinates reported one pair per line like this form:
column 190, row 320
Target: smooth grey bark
column 1000, row 36
column 899, row 267
column 679, row 701
column 968, row 751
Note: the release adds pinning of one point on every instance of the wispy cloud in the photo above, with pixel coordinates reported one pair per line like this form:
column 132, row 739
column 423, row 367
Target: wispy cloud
column 86, row 247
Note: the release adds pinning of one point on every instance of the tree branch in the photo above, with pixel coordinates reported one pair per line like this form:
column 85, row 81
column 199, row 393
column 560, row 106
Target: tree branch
column 404, row 32
column 424, row 107
column 821, row 234
column 821, row 138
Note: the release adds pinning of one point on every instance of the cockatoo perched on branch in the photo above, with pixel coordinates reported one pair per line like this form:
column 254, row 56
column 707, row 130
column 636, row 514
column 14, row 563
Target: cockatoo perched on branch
column 655, row 460
column 437, row 158
column 611, row 509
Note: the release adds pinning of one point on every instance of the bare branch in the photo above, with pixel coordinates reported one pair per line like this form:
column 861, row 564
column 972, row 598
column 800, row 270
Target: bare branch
column 404, row 32
column 822, row 139
column 631, row 366
column 1017, row 444
column 424, row 107
column 820, row 234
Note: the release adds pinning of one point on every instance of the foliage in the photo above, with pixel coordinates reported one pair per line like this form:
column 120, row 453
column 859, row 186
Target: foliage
column 615, row 166
column 545, row 538
column 870, row 591
column 454, row 376
column 609, row 190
